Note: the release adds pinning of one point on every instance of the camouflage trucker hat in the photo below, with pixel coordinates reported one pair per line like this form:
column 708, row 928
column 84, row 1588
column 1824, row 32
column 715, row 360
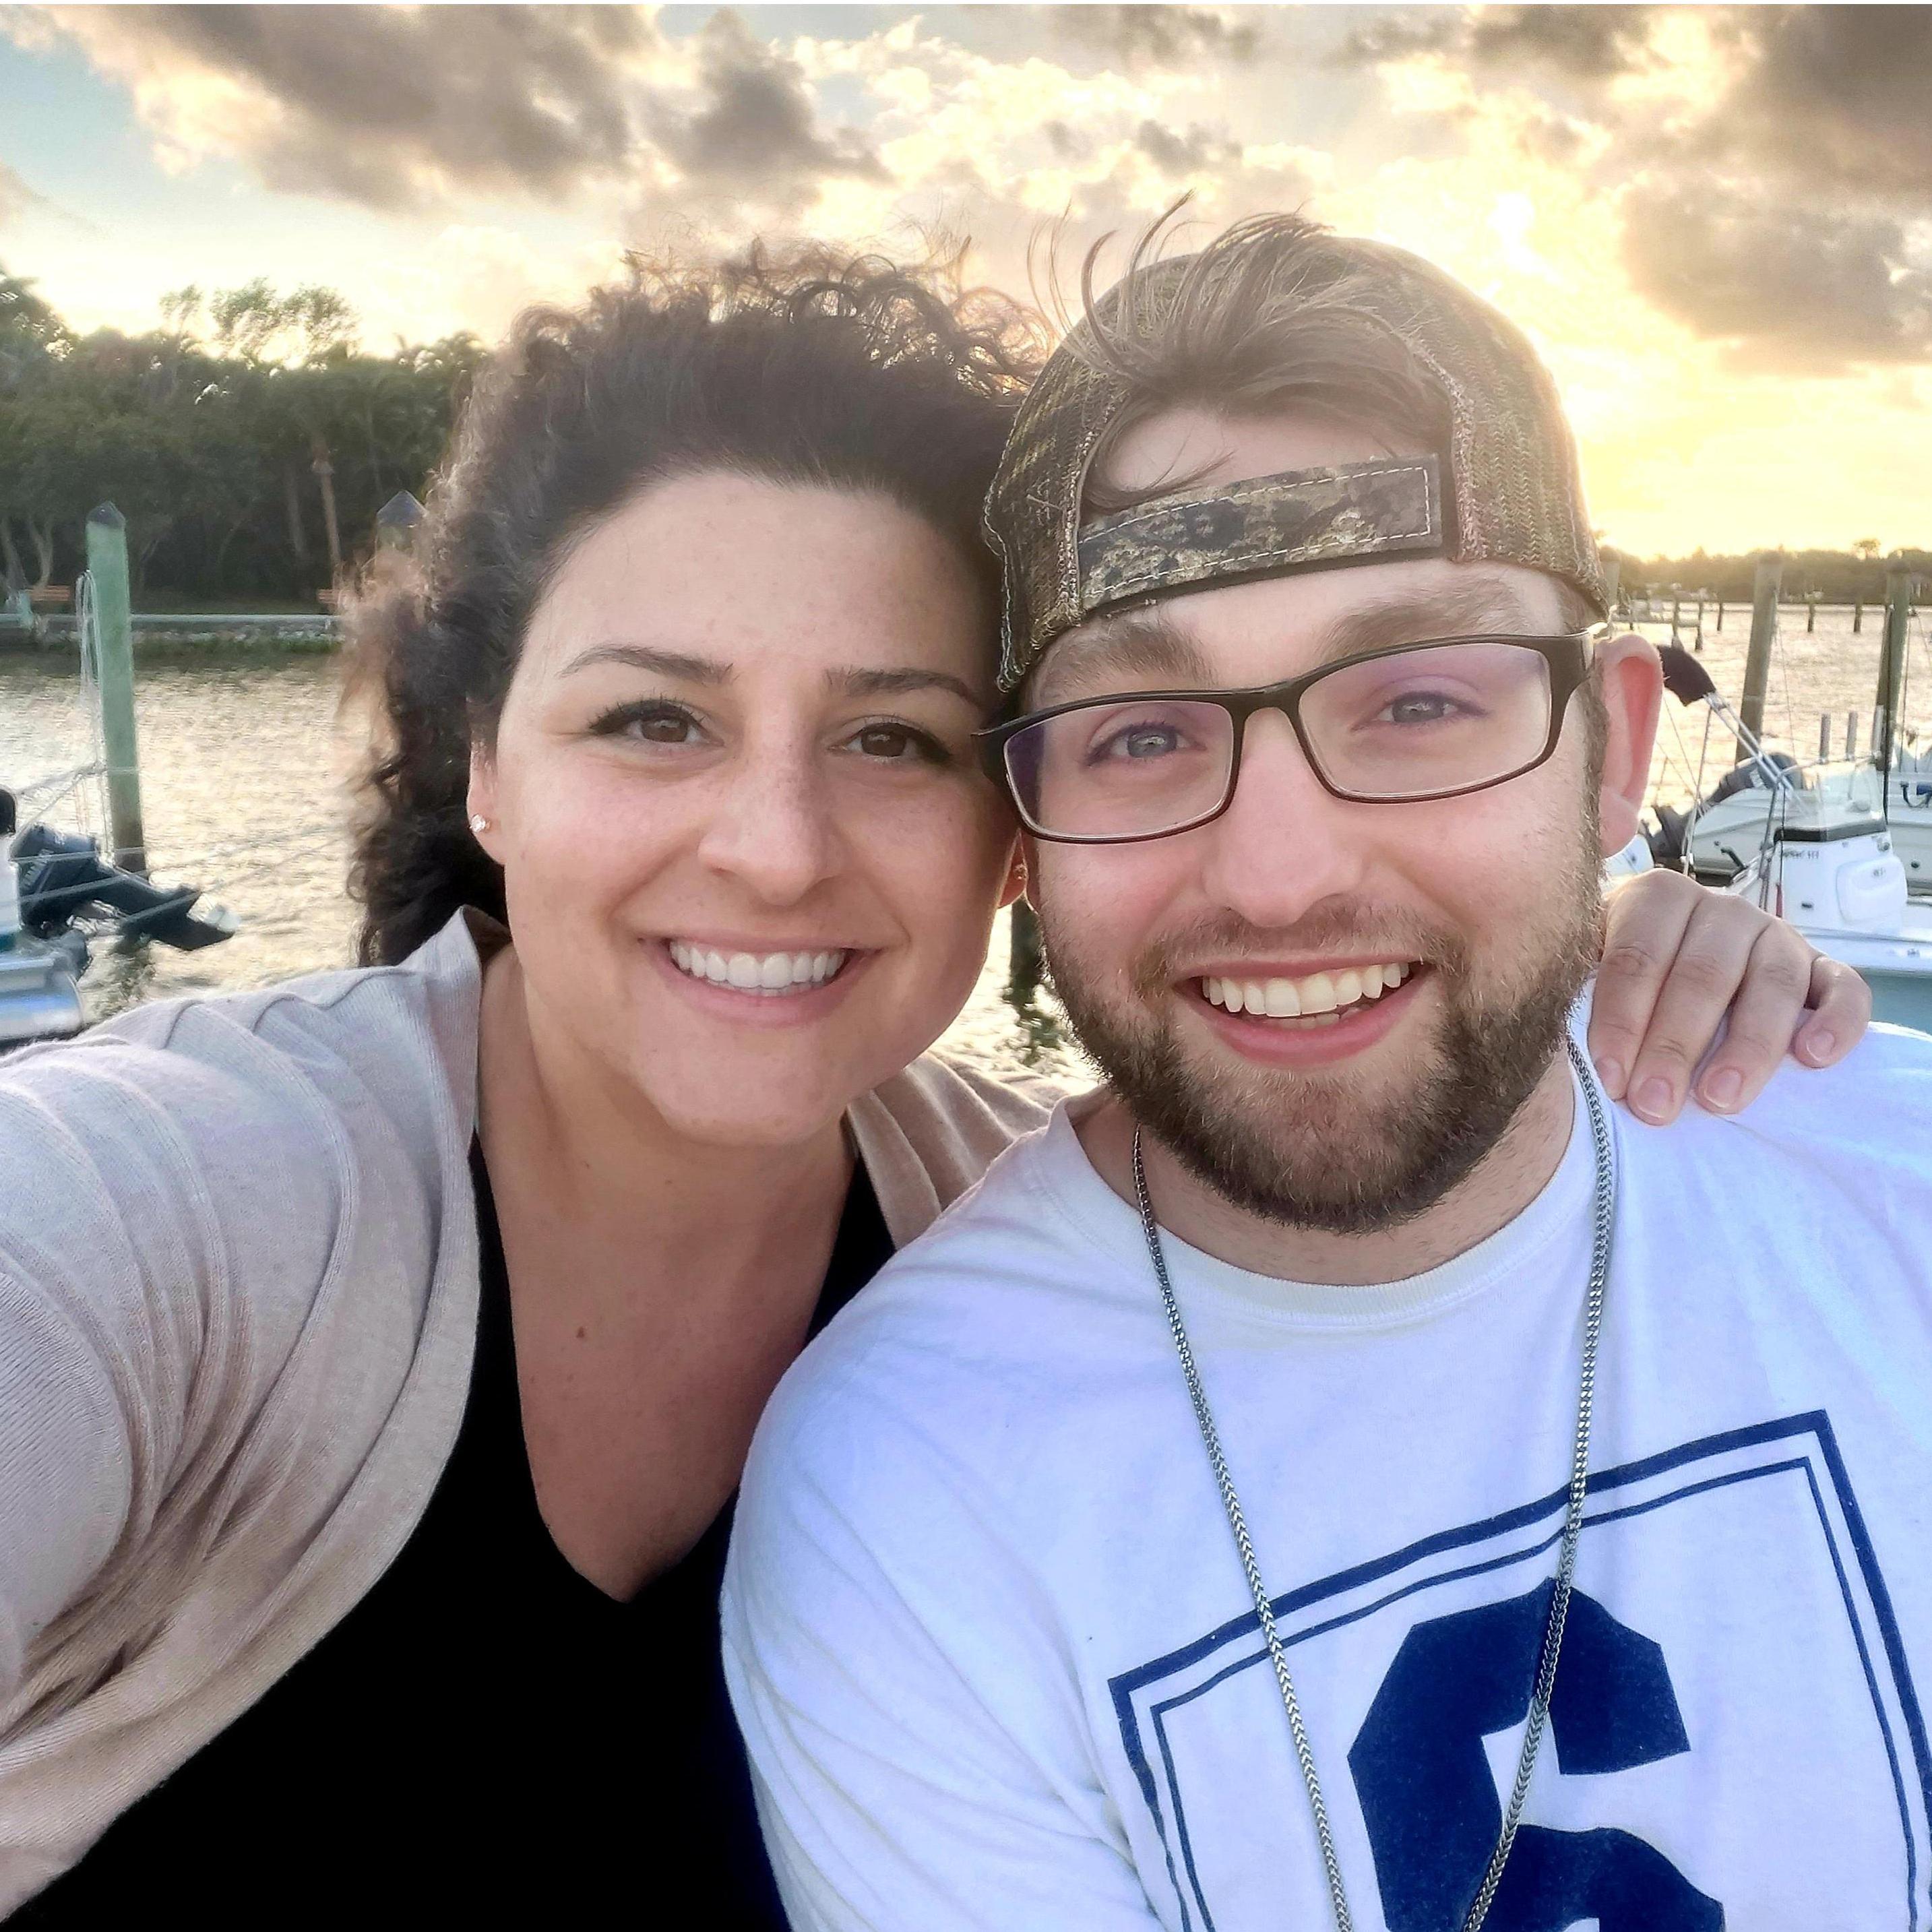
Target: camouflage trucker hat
column 1506, row 488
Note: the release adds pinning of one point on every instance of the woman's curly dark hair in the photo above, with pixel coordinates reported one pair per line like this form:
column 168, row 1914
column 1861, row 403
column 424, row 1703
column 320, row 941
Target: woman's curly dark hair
column 858, row 374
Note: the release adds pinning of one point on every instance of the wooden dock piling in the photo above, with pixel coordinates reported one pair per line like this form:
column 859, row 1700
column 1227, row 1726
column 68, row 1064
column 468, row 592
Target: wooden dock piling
column 1891, row 662
column 107, row 571
column 1765, row 587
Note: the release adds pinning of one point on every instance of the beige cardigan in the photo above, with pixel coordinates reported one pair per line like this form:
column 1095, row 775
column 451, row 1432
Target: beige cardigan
column 238, row 1308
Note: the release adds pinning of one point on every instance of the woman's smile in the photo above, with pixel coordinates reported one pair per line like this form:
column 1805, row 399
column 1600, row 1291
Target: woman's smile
column 781, row 972
column 762, row 988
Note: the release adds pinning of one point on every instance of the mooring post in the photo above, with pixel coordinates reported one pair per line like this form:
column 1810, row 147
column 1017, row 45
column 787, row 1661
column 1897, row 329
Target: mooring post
column 107, row 570
column 1857, row 616
column 1891, row 662
column 1720, row 613
column 1811, row 612
column 1765, row 587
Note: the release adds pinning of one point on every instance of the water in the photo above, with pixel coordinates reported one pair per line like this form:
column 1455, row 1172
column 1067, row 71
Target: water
column 1828, row 670
column 245, row 763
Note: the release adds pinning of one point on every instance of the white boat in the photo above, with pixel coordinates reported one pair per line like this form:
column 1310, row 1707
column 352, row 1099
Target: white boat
column 1839, row 881
column 1732, row 822
column 1821, row 846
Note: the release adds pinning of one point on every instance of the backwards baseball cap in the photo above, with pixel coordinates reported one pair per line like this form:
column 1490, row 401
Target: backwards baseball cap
column 1506, row 489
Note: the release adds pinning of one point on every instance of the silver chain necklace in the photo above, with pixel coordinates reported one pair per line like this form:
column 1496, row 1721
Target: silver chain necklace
column 1573, row 1517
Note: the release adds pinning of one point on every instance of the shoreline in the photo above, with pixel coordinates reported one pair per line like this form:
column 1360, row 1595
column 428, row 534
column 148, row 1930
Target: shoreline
column 268, row 631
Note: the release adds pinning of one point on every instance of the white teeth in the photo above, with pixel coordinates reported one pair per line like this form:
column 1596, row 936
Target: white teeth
column 766, row 974
column 1317, row 998
column 1317, row 993
column 1283, row 1002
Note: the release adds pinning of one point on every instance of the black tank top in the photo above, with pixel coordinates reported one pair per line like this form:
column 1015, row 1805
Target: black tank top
column 486, row 1737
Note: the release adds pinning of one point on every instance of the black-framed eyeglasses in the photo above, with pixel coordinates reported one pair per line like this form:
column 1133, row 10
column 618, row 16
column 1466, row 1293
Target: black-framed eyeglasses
column 1400, row 725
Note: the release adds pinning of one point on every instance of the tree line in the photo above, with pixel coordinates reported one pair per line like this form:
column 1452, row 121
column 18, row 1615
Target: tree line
column 1854, row 576
column 249, row 440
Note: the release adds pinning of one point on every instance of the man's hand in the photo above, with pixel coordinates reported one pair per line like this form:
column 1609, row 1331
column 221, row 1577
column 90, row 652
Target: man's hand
column 1680, row 963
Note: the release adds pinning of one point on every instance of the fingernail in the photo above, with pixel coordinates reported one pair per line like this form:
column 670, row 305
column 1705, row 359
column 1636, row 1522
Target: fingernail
column 1611, row 1073
column 1722, row 1089
column 1652, row 1099
column 1819, row 1045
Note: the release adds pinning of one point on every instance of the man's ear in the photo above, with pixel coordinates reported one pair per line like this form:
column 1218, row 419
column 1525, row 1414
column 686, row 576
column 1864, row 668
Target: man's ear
column 1025, row 874
column 1630, row 685
column 1016, row 874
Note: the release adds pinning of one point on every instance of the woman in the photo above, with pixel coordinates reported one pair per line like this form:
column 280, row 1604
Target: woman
column 380, row 1350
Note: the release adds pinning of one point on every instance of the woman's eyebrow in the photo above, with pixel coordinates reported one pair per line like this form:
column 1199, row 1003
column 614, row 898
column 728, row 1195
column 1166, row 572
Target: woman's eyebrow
column 858, row 681
column 648, row 657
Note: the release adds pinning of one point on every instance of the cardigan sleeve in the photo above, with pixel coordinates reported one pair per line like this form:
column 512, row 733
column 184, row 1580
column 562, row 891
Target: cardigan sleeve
column 927, row 1134
column 138, row 1185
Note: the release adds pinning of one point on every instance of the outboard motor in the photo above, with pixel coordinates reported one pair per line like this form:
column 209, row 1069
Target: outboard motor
column 63, row 873
column 39, row 991
column 49, row 879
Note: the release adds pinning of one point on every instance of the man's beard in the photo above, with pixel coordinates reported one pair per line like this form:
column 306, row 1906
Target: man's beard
column 1308, row 1149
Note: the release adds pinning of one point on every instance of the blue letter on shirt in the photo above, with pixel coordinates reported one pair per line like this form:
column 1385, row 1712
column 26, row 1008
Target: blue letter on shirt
column 1429, row 1801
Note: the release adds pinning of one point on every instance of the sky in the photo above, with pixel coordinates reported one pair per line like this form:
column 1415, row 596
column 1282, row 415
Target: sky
column 1714, row 222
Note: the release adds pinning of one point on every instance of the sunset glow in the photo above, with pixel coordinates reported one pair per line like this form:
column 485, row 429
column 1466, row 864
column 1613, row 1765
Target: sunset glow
column 1716, row 222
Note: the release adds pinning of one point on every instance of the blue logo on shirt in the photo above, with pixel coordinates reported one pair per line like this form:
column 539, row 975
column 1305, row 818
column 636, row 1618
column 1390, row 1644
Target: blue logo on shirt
column 1430, row 1802
column 1738, row 1735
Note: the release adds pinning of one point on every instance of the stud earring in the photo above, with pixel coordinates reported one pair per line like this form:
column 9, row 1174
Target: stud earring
column 478, row 823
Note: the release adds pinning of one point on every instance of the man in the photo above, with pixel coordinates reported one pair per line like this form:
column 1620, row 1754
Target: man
column 1183, row 1533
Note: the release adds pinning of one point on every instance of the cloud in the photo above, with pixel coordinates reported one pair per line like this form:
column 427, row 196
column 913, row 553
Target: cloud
column 1773, row 164
column 1592, row 45
column 1164, row 36
column 391, row 107
column 1181, row 154
column 1835, row 98
column 1796, row 288
column 752, row 127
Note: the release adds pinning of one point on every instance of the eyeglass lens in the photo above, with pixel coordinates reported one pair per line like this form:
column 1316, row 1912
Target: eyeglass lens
column 1410, row 724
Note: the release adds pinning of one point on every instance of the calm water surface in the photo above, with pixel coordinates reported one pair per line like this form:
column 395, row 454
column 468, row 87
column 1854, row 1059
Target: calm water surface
column 245, row 761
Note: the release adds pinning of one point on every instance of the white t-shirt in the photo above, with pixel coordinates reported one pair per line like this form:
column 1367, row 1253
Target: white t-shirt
column 990, row 1641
